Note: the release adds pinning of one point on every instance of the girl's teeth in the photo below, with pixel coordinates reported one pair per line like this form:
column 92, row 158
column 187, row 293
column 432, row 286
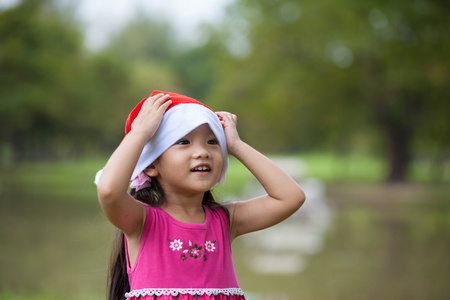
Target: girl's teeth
column 201, row 169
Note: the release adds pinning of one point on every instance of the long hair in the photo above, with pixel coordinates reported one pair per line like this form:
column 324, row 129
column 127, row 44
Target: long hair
column 118, row 276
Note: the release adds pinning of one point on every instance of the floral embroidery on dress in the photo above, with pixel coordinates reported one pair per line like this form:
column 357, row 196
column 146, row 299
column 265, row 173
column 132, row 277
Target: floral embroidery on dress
column 210, row 246
column 176, row 245
column 194, row 251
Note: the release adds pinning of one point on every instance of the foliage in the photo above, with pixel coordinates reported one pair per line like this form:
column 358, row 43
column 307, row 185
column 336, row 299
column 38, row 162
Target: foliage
column 148, row 53
column 348, row 76
column 321, row 74
column 59, row 100
column 46, row 108
column 35, row 90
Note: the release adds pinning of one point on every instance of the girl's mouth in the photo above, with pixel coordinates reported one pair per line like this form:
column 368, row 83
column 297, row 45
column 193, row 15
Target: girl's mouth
column 201, row 169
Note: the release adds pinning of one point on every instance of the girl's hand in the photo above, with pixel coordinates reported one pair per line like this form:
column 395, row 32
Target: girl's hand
column 229, row 122
column 120, row 208
column 150, row 115
column 283, row 197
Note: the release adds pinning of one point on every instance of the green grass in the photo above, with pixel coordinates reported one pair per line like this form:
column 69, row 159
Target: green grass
column 355, row 168
column 69, row 179
column 56, row 241
column 366, row 168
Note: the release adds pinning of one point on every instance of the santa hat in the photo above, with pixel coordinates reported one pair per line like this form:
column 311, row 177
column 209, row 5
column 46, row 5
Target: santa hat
column 183, row 115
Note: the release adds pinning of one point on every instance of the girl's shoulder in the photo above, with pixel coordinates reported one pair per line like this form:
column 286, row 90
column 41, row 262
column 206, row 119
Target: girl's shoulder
column 216, row 209
column 219, row 212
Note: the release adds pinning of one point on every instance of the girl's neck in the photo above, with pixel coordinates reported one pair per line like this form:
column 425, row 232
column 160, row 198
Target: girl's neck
column 186, row 210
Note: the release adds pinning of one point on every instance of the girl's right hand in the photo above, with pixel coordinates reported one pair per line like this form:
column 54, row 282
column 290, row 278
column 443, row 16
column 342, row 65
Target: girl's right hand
column 120, row 208
column 150, row 115
column 229, row 122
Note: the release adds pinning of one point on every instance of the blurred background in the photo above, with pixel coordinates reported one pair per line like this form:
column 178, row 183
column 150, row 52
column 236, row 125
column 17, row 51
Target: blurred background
column 350, row 97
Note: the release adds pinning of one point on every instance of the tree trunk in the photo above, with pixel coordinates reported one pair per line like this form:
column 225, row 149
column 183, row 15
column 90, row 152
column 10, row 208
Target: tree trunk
column 398, row 152
column 394, row 115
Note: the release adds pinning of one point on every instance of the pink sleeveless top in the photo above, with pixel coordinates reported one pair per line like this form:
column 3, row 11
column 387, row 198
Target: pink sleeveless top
column 184, row 261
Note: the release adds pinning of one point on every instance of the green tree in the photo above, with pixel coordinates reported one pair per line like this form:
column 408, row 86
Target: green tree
column 147, row 48
column 335, row 73
column 54, row 93
column 39, row 57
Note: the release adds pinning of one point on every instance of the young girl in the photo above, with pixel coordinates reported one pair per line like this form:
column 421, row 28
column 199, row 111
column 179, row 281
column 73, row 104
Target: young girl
column 174, row 240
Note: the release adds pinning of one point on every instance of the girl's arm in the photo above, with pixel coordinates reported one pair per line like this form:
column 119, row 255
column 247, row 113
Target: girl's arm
column 283, row 198
column 122, row 210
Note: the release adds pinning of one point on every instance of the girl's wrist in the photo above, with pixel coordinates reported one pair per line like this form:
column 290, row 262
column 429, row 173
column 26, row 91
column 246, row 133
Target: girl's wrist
column 237, row 148
column 144, row 133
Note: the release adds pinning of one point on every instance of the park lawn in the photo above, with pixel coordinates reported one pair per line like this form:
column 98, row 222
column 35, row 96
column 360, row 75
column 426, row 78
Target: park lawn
column 56, row 241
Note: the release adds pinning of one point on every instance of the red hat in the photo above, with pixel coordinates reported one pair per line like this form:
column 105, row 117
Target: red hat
column 183, row 115
column 174, row 97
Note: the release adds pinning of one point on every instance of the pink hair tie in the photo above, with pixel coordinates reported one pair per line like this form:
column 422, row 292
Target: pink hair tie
column 141, row 181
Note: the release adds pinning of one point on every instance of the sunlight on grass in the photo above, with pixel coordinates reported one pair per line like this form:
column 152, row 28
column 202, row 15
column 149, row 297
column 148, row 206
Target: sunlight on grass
column 355, row 168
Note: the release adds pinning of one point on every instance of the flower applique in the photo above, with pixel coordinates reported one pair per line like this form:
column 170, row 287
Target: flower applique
column 194, row 251
column 175, row 245
column 210, row 246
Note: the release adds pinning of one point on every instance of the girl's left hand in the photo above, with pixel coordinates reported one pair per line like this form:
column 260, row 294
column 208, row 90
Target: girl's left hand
column 229, row 122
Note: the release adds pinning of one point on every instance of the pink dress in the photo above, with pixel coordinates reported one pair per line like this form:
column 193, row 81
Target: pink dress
column 184, row 261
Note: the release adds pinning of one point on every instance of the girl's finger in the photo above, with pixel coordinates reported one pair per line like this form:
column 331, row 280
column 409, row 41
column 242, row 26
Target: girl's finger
column 166, row 104
column 162, row 98
column 157, row 96
column 155, row 100
column 160, row 101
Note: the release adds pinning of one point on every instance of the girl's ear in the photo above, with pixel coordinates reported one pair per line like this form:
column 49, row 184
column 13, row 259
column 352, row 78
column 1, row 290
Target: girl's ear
column 151, row 170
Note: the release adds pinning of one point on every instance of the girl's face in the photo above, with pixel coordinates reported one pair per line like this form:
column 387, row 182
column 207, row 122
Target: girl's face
column 192, row 165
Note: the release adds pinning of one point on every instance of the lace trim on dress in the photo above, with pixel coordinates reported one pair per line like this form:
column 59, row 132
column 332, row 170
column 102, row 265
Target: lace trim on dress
column 176, row 292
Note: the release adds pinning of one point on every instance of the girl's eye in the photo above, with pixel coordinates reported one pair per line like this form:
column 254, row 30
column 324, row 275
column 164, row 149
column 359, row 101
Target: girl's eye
column 213, row 142
column 183, row 142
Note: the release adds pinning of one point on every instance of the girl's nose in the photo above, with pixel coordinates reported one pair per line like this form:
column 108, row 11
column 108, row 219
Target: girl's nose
column 201, row 151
